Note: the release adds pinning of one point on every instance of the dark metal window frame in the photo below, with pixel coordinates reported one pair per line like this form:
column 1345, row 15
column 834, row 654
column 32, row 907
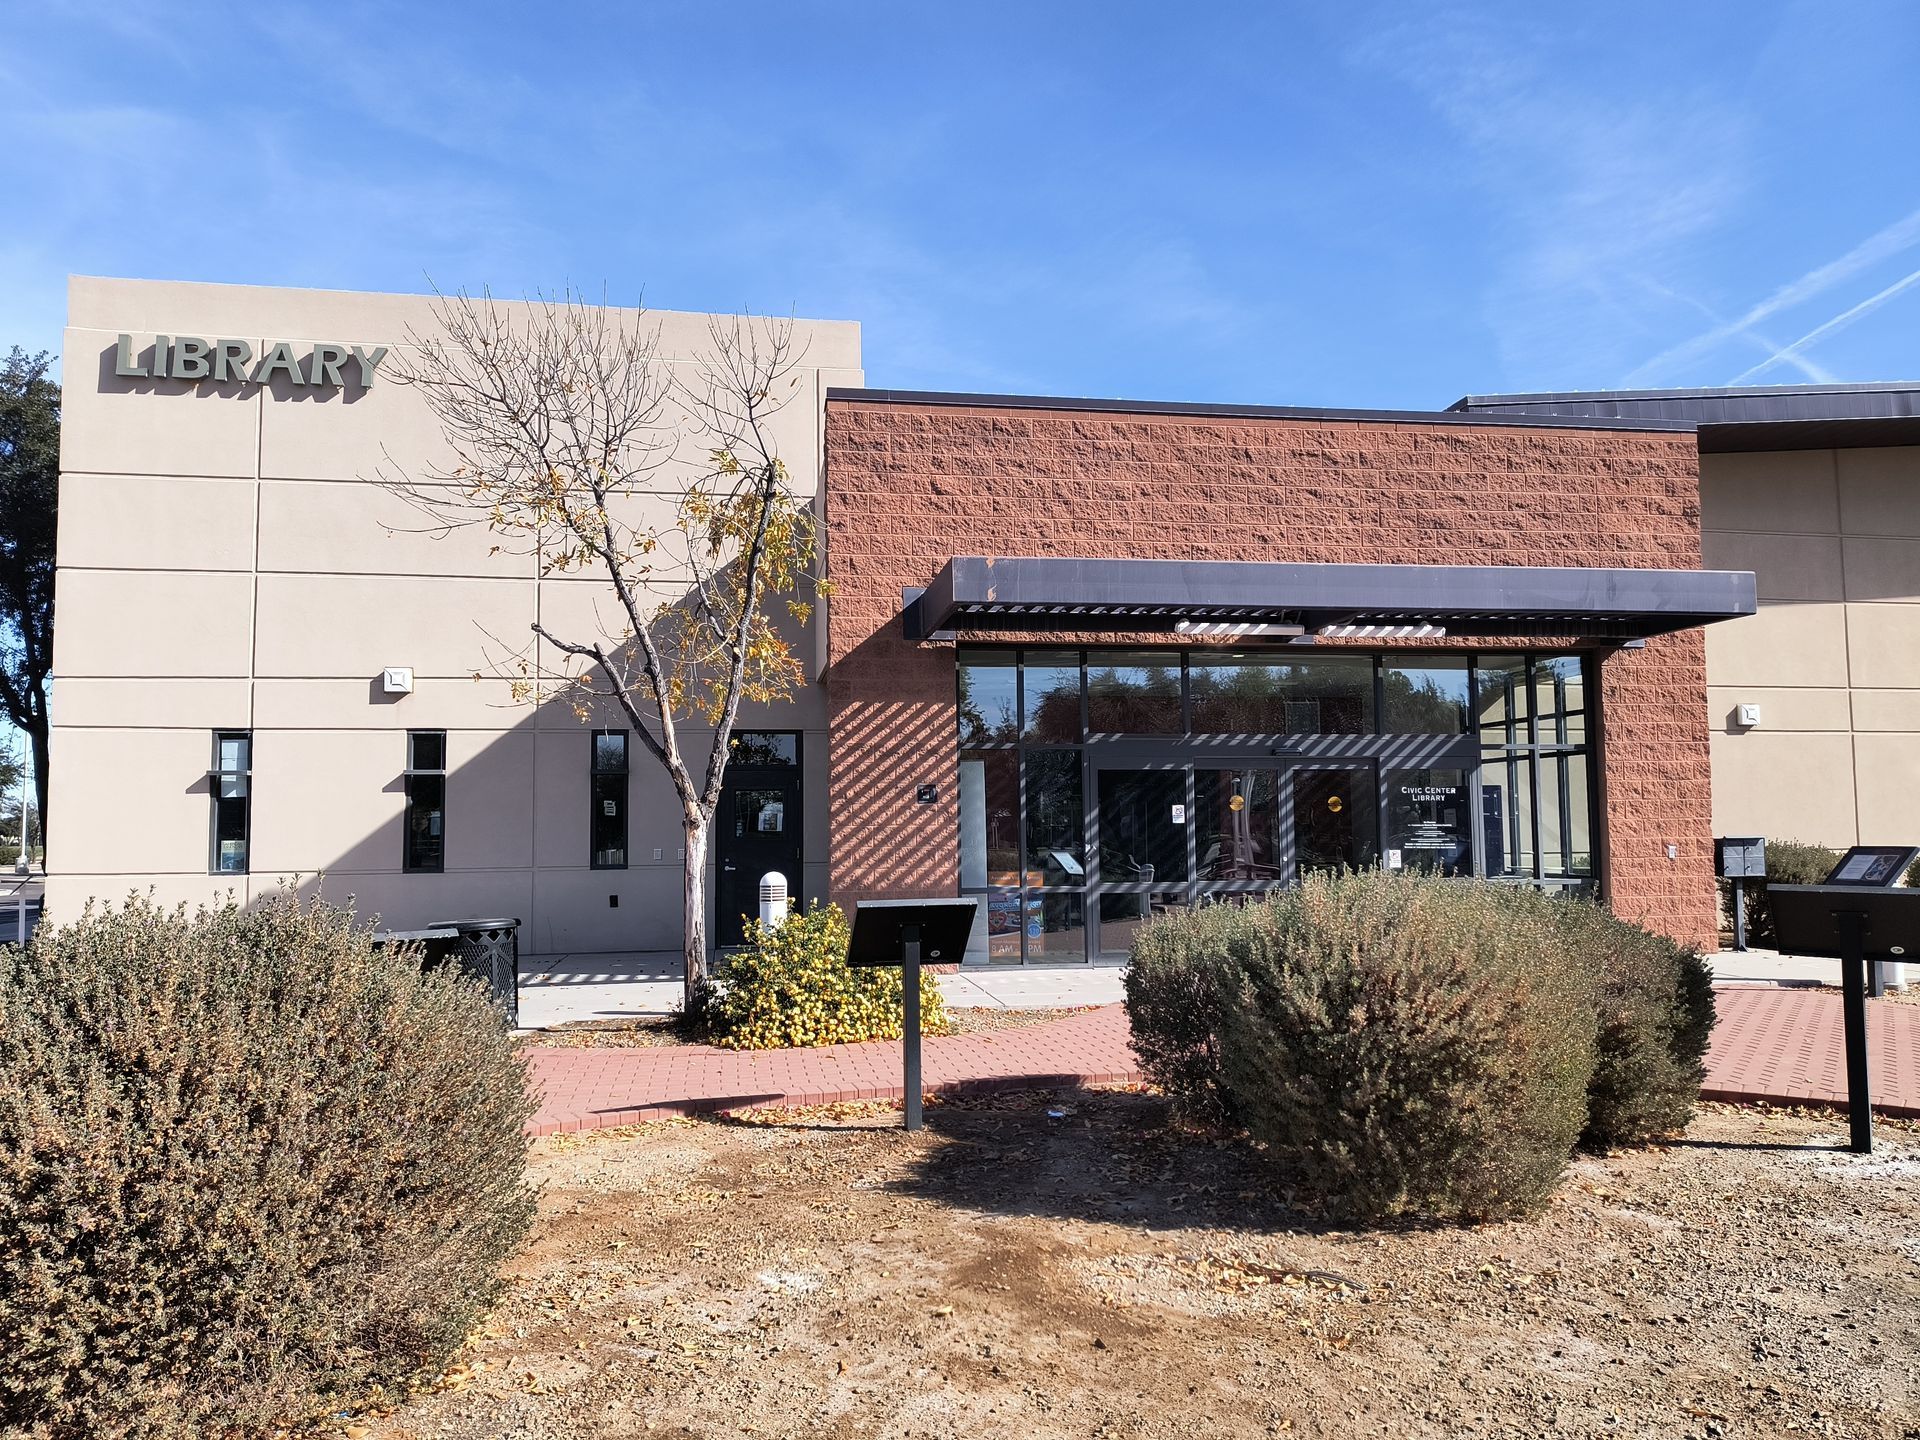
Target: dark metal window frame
column 595, row 773
column 216, row 774
column 1520, row 746
column 410, row 774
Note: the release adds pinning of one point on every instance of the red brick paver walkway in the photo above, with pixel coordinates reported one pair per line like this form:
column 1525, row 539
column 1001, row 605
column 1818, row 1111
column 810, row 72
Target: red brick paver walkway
column 586, row 1089
column 1786, row 1046
column 1778, row 1045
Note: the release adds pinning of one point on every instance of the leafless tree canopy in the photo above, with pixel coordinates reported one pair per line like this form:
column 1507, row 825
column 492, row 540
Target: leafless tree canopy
column 576, row 441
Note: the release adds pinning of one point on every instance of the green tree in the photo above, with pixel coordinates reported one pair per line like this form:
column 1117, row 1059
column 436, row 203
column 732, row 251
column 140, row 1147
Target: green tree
column 29, row 500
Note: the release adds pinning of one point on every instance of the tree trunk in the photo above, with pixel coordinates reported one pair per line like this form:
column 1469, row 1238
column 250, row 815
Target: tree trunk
column 695, row 946
column 39, row 734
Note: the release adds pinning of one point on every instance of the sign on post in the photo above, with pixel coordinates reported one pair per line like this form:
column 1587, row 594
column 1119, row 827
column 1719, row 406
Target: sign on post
column 1852, row 924
column 905, row 933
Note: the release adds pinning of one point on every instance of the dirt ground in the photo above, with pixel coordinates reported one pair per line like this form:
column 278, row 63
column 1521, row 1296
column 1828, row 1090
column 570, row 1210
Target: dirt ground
column 1015, row 1272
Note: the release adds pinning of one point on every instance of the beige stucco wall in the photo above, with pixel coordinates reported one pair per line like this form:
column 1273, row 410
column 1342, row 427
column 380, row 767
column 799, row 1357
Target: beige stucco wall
column 1833, row 657
column 226, row 563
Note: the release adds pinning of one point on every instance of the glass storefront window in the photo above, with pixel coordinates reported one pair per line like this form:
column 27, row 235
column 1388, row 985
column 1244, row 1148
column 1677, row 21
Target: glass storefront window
column 1056, row 924
column 1429, row 814
column 1427, row 697
column 1051, row 711
column 1056, row 820
column 1003, row 927
column 1500, row 700
column 1559, row 700
column 1506, row 798
column 989, row 819
column 1238, row 694
column 1566, row 818
column 989, row 699
column 1245, row 694
column 1228, row 812
column 1133, row 693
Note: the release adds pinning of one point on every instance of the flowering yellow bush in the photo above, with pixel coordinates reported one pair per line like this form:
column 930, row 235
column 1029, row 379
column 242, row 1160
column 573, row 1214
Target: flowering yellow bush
column 792, row 986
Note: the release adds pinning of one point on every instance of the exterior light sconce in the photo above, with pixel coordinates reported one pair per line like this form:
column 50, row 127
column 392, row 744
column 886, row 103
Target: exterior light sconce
column 1747, row 717
column 397, row 680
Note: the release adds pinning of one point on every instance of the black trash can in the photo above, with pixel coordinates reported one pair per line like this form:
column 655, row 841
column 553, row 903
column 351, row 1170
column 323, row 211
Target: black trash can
column 489, row 950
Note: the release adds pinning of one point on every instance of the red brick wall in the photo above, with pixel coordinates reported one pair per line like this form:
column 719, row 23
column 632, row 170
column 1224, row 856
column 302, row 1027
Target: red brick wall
column 909, row 486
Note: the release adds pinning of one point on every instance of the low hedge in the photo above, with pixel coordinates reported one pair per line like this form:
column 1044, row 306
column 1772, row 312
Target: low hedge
column 1402, row 1042
column 251, row 1169
column 792, row 986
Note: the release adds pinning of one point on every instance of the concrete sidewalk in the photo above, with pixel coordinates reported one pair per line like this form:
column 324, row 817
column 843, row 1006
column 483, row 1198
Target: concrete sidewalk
column 559, row 989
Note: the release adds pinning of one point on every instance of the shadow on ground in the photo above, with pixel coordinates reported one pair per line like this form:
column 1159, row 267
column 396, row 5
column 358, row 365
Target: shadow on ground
column 1098, row 1155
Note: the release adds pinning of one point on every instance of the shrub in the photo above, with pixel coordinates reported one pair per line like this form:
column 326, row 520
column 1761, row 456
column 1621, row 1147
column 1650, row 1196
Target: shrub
column 1182, row 975
column 1789, row 862
column 792, row 986
column 250, row 1167
column 1655, row 1012
column 1403, row 1043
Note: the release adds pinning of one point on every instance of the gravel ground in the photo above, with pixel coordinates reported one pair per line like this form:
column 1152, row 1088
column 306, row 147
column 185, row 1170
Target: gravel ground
column 1097, row 1274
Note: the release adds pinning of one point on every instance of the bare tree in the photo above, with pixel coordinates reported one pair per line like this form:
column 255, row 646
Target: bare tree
column 575, row 441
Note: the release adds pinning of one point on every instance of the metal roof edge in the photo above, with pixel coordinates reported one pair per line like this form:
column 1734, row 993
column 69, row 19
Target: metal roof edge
column 1090, row 405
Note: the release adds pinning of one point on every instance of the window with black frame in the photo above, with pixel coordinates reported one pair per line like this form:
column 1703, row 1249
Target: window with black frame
column 425, row 832
column 230, row 783
column 1027, row 719
column 609, row 800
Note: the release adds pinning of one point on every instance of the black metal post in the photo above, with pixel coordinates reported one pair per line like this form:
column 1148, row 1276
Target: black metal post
column 1739, row 913
column 910, row 1032
column 1852, row 925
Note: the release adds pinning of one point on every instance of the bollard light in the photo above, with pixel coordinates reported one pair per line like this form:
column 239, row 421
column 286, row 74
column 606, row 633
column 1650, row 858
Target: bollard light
column 773, row 900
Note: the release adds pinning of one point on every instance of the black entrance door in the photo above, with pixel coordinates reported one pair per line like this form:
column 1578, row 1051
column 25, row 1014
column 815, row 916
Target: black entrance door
column 756, row 830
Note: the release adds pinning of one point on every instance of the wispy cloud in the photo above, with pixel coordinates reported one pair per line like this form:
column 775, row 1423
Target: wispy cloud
column 1585, row 189
column 1877, row 248
column 1820, row 332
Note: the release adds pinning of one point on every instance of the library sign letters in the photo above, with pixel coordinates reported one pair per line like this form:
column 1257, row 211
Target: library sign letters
column 232, row 362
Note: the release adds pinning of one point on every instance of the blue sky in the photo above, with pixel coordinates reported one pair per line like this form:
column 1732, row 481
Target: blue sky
column 1325, row 204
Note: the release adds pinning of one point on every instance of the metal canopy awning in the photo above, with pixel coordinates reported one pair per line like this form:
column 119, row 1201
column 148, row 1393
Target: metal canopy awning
column 980, row 593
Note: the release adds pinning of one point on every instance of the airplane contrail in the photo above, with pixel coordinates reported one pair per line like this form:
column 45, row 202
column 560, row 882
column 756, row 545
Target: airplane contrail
column 1820, row 332
column 1899, row 236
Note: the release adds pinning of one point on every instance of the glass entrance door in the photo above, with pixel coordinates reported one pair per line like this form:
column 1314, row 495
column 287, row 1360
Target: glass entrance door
column 1336, row 818
column 1144, row 845
column 1166, row 837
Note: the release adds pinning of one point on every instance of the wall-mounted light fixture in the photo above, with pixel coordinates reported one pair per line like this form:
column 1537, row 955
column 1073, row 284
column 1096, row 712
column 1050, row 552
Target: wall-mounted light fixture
column 397, row 680
column 1746, row 716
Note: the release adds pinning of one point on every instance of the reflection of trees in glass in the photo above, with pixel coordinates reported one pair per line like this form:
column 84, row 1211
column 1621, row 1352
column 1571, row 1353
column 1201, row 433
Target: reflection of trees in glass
column 1424, row 701
column 1054, row 814
column 1324, row 698
column 762, row 747
column 1053, row 704
column 1134, row 700
column 986, row 703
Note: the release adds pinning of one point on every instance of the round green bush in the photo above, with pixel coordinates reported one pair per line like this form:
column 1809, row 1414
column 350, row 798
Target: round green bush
column 1409, row 1044
column 251, row 1168
column 1655, row 1009
column 792, row 986
column 1182, row 974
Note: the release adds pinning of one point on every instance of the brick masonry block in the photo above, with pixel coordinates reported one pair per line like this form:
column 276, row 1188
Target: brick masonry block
column 908, row 486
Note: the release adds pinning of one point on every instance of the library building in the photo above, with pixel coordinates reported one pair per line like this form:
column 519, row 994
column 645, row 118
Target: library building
column 1088, row 660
